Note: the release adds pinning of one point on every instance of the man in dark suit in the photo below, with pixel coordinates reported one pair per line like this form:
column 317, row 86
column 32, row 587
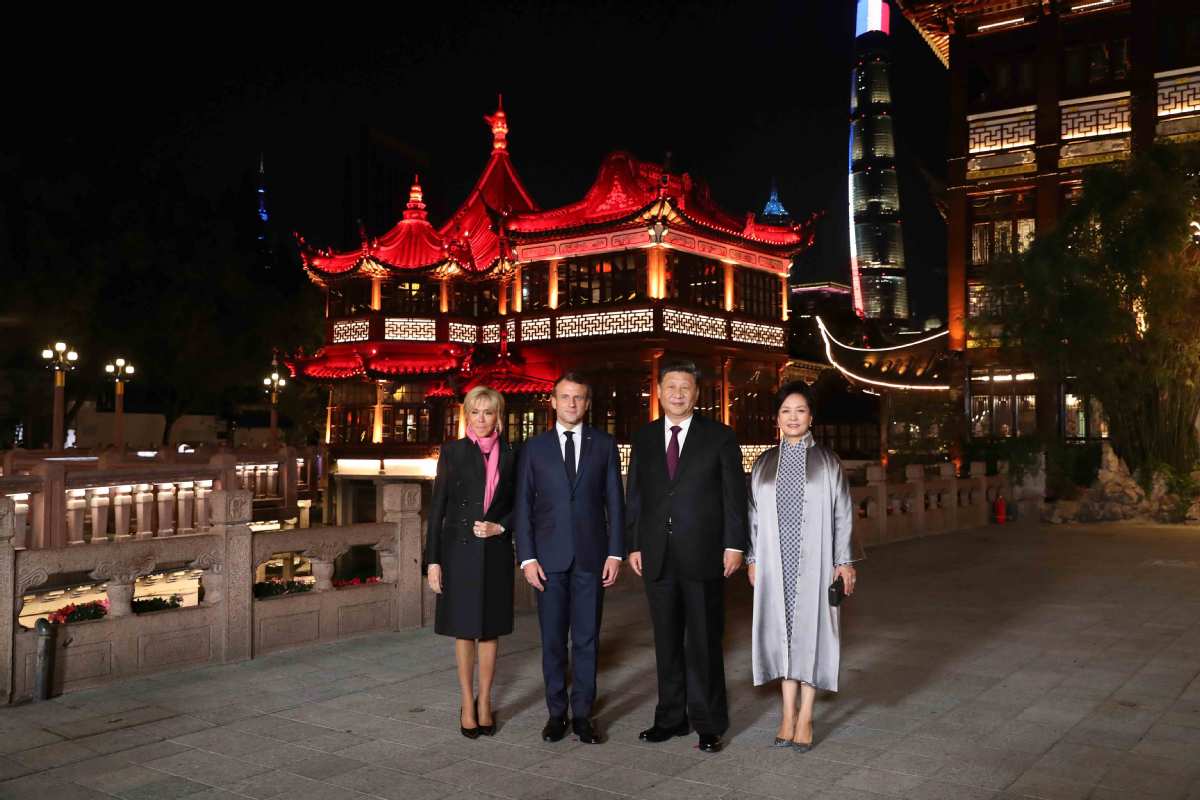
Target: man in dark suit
column 686, row 511
column 569, row 521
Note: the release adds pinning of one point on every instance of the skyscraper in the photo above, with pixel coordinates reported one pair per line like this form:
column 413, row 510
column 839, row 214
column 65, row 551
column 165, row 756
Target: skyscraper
column 266, row 253
column 878, row 277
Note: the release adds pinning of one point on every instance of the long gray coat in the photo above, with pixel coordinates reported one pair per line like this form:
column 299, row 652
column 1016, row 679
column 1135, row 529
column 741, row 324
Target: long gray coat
column 814, row 656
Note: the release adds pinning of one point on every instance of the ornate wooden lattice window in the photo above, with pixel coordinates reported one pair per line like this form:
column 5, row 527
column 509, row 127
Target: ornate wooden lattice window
column 1001, row 226
column 410, row 296
column 695, row 281
column 348, row 298
column 600, row 279
column 757, row 294
column 535, row 286
column 475, row 299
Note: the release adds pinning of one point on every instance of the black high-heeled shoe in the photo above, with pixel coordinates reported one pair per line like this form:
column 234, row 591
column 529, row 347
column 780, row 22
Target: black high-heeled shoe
column 470, row 733
column 485, row 730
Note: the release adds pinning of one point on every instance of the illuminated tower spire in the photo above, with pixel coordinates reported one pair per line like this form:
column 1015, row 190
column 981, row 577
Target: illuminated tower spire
column 878, row 277
column 266, row 255
column 773, row 212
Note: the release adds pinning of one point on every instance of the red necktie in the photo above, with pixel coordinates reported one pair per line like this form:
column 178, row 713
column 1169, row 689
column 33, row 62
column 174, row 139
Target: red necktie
column 673, row 452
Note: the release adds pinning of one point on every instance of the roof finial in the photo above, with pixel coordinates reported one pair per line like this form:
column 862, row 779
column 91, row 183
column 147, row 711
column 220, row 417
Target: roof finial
column 416, row 201
column 499, row 125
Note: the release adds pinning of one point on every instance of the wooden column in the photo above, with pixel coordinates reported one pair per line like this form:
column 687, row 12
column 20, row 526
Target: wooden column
column 655, row 361
column 729, row 287
column 656, row 269
column 516, row 290
column 377, row 433
column 376, row 293
column 329, row 416
column 725, row 410
column 503, row 295
column 444, row 296
column 552, row 281
column 956, row 221
column 783, row 280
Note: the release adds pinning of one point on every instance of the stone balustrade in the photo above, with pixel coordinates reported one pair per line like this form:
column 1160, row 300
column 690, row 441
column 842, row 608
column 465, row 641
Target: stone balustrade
column 61, row 500
column 926, row 503
column 228, row 624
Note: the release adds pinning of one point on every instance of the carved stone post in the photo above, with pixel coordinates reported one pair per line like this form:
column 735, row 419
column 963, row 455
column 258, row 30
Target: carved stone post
column 979, row 504
column 231, row 531
column 50, row 506
column 213, row 579
column 144, row 499
column 187, row 496
column 914, row 476
column 877, row 482
column 8, row 596
column 122, row 502
column 99, row 505
column 76, row 506
column 166, row 509
column 402, row 507
column 949, row 497
column 322, row 557
column 304, row 513
column 121, row 573
column 202, row 507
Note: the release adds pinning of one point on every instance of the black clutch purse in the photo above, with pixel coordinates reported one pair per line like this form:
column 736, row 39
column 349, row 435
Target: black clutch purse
column 837, row 592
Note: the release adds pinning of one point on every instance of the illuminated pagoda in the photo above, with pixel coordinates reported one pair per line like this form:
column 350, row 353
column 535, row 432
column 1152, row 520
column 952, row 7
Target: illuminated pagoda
column 645, row 265
column 877, row 270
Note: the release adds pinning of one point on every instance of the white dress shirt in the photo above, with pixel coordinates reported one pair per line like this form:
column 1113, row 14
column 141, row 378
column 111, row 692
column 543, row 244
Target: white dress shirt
column 562, row 441
column 683, row 424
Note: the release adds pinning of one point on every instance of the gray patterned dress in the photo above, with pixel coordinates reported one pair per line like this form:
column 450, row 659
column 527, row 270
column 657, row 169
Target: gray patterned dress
column 789, row 504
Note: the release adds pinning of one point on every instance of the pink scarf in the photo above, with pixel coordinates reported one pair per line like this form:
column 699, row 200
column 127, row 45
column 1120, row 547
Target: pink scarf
column 490, row 447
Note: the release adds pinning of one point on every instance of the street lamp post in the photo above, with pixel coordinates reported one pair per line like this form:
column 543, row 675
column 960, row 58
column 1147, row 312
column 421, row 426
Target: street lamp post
column 61, row 358
column 273, row 384
column 121, row 372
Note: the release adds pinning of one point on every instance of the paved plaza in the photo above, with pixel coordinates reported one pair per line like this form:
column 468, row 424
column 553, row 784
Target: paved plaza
column 999, row 663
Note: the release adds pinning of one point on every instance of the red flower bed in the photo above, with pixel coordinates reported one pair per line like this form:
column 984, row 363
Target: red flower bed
column 356, row 582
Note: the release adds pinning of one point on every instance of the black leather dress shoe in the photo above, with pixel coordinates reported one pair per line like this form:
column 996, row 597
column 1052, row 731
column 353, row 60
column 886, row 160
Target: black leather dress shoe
column 555, row 730
column 656, row 734
column 584, row 730
column 710, row 743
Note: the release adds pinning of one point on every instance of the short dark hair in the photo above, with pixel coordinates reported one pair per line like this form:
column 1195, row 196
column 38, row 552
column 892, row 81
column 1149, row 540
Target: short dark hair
column 571, row 376
column 794, row 387
column 679, row 365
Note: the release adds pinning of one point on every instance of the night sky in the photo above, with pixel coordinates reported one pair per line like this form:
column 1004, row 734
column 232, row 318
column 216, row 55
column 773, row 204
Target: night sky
column 738, row 93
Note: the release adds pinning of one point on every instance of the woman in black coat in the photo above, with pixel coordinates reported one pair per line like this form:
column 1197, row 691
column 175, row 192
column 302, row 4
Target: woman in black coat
column 469, row 551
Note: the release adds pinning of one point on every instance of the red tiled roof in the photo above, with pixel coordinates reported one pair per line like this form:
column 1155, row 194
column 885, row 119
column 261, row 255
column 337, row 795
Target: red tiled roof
column 626, row 188
column 412, row 244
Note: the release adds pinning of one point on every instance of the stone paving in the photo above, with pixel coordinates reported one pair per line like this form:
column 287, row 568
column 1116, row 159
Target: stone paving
column 999, row 663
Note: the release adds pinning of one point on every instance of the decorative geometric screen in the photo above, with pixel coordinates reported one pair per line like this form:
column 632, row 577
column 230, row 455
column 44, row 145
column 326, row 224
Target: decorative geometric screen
column 490, row 334
column 409, row 330
column 351, row 330
column 512, row 330
column 690, row 324
column 750, row 454
column 535, row 329
column 1001, row 132
column 1100, row 118
column 606, row 324
column 623, row 451
column 1179, row 94
column 463, row 332
column 757, row 333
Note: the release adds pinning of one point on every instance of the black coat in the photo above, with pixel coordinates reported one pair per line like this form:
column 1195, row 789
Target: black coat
column 477, row 574
column 706, row 502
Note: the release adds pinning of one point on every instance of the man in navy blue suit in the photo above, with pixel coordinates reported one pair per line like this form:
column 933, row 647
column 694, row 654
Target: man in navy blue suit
column 569, row 519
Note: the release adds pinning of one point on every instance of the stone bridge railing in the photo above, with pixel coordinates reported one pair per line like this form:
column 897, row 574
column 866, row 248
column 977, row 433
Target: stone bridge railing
column 926, row 503
column 78, row 498
column 228, row 624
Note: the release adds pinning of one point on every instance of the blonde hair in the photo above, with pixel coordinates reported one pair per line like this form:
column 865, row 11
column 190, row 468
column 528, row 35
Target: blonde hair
column 488, row 395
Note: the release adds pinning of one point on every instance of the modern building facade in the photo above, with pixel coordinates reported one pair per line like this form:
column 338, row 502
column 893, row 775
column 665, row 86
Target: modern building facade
column 877, row 269
column 1039, row 91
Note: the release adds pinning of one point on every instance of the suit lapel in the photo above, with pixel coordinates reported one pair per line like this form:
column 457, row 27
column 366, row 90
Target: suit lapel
column 691, row 443
column 659, row 447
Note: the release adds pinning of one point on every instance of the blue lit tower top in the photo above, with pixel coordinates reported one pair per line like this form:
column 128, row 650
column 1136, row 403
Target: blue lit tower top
column 878, row 277
column 266, row 254
column 773, row 212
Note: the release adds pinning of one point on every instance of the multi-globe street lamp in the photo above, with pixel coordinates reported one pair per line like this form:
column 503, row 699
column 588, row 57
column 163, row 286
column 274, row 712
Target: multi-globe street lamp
column 61, row 358
column 120, row 372
column 273, row 383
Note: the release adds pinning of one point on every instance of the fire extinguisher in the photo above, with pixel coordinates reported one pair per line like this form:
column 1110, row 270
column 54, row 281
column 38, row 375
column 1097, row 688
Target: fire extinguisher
column 1000, row 509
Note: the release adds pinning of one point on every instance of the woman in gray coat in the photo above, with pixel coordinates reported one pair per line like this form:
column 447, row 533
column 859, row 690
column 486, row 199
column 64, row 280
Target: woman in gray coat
column 801, row 519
